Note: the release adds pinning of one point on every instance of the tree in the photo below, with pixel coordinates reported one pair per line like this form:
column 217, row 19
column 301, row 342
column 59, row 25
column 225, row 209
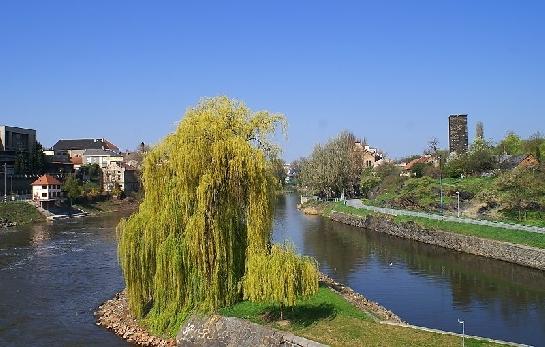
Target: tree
column 479, row 130
column 534, row 144
column 72, row 188
column 512, row 144
column 433, row 146
column 206, row 216
column 334, row 167
column 279, row 171
column 369, row 180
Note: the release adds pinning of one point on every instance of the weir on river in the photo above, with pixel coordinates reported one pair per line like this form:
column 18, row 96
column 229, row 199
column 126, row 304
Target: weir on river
column 52, row 278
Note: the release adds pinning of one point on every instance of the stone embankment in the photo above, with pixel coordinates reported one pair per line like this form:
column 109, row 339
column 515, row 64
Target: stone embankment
column 114, row 315
column 514, row 253
column 378, row 312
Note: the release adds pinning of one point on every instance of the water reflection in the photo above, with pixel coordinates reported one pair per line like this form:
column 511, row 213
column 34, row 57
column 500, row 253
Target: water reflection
column 52, row 278
column 425, row 285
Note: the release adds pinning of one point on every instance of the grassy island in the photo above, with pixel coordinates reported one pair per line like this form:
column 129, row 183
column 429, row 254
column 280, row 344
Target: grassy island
column 328, row 318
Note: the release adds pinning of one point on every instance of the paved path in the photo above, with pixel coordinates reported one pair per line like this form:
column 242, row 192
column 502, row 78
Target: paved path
column 358, row 204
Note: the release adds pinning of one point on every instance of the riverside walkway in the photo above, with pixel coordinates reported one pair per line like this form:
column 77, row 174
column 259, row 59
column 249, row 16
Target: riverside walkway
column 357, row 203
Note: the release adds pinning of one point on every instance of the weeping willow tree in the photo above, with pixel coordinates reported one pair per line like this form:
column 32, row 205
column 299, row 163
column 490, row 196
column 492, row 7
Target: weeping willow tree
column 206, row 217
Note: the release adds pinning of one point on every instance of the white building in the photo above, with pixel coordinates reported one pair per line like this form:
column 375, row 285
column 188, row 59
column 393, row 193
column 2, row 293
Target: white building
column 46, row 191
column 101, row 157
column 122, row 175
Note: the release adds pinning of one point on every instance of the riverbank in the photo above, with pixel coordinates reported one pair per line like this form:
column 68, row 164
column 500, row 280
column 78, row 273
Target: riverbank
column 336, row 316
column 18, row 213
column 518, row 247
column 97, row 208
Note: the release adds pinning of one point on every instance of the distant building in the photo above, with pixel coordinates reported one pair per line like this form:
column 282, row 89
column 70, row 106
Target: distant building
column 76, row 147
column 425, row 159
column 371, row 156
column 457, row 133
column 122, row 175
column 100, row 156
column 46, row 191
column 13, row 140
column 510, row 162
column 17, row 139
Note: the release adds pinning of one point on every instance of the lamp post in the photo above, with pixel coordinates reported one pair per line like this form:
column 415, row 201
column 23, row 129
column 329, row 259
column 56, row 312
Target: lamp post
column 463, row 331
column 5, row 182
column 458, row 195
column 441, row 182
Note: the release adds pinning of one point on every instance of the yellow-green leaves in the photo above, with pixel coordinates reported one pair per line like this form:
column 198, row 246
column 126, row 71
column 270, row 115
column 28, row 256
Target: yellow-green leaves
column 207, row 209
column 279, row 277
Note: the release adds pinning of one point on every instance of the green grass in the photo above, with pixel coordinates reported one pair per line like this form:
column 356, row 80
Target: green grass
column 100, row 206
column 20, row 212
column 495, row 233
column 328, row 318
column 535, row 218
column 483, row 231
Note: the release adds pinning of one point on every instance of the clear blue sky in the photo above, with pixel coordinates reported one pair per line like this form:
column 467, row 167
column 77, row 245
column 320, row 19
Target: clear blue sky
column 391, row 71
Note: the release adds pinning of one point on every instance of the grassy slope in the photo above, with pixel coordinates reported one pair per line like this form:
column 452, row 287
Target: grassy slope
column 487, row 232
column 20, row 212
column 328, row 318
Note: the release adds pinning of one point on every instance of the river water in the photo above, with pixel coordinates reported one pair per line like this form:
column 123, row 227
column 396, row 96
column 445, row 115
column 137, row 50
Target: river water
column 52, row 278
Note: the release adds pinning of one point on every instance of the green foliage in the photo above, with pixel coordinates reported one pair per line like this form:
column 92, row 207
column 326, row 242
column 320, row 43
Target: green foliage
column 90, row 173
column 19, row 212
column 207, row 211
column 512, row 144
column 522, row 189
column 418, row 169
column 32, row 163
column 479, row 159
column 72, row 188
column 369, row 180
column 278, row 170
column 334, row 167
column 483, row 231
column 328, row 318
column 280, row 277
column 419, row 192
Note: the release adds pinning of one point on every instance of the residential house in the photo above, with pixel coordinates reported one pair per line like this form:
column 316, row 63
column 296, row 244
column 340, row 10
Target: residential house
column 101, row 157
column 46, row 191
column 76, row 147
column 425, row 159
column 371, row 156
column 122, row 175
column 510, row 162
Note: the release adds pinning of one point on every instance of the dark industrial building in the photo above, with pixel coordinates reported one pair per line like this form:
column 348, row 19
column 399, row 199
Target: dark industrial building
column 457, row 133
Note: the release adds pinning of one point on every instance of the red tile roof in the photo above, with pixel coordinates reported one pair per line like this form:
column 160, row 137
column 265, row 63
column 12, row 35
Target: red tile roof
column 45, row 180
column 422, row 160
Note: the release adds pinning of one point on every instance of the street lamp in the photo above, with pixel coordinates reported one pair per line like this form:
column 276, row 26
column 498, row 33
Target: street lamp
column 441, row 182
column 458, row 195
column 463, row 331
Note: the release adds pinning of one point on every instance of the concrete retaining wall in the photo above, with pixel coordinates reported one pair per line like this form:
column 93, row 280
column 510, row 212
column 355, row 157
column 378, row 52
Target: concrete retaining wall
column 513, row 253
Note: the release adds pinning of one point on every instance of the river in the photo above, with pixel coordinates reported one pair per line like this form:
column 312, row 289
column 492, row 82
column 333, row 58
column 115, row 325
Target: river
column 52, row 278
